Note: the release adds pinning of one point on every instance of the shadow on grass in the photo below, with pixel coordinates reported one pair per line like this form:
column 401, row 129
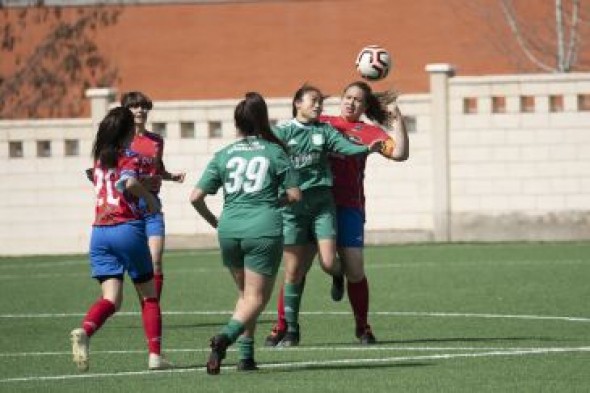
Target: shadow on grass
column 470, row 340
column 268, row 368
column 289, row 368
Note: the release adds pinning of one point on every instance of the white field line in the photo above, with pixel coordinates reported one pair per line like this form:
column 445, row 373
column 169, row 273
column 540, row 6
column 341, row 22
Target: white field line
column 86, row 273
column 84, row 261
column 368, row 266
column 322, row 313
column 351, row 348
column 310, row 364
column 41, row 265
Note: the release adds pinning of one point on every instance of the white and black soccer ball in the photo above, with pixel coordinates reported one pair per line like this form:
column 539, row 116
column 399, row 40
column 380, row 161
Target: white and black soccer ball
column 373, row 62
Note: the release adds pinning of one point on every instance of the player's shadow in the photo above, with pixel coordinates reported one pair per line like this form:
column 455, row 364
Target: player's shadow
column 452, row 340
column 471, row 340
column 316, row 367
column 289, row 368
column 448, row 340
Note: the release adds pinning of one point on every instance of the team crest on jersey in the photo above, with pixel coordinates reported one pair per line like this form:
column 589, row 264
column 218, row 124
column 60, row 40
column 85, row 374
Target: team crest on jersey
column 317, row 139
column 355, row 139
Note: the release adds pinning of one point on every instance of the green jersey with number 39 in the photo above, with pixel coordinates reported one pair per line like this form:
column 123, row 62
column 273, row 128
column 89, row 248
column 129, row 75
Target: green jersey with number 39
column 309, row 145
column 251, row 172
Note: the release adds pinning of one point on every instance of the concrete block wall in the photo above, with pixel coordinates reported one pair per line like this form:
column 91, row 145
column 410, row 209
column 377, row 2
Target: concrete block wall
column 470, row 176
column 516, row 174
column 47, row 203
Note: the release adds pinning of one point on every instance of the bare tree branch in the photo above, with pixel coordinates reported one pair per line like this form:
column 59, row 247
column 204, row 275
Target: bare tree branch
column 509, row 13
column 559, row 33
column 51, row 80
column 572, row 48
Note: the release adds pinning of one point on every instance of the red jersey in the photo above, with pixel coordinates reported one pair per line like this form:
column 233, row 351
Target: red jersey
column 349, row 171
column 150, row 147
column 113, row 206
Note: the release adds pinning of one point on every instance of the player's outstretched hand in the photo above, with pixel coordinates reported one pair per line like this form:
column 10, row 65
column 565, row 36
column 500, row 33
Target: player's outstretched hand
column 388, row 147
column 90, row 174
column 178, row 177
column 376, row 146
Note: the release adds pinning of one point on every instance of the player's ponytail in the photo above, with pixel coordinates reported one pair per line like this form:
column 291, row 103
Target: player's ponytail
column 114, row 133
column 251, row 118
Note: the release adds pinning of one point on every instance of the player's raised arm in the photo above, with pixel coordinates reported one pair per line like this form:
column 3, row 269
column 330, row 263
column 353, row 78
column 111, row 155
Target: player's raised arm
column 400, row 150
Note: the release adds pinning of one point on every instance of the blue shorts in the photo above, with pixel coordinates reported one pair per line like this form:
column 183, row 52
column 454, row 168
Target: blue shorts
column 351, row 227
column 116, row 249
column 154, row 223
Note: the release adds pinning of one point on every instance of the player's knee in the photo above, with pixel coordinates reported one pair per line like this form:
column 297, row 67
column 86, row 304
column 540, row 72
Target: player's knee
column 255, row 301
column 354, row 276
column 118, row 302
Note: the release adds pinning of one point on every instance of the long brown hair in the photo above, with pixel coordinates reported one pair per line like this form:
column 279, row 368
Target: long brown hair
column 251, row 118
column 376, row 102
column 113, row 133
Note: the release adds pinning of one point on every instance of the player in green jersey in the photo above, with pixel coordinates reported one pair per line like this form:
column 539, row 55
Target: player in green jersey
column 312, row 221
column 253, row 172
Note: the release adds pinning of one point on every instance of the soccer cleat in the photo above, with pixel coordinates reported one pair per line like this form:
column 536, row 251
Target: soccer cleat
column 291, row 339
column 366, row 336
column 80, row 344
column 247, row 365
column 218, row 346
column 275, row 336
column 158, row 362
column 337, row 290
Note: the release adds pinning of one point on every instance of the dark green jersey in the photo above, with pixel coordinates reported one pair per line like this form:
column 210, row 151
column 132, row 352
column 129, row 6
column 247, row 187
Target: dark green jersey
column 251, row 172
column 309, row 145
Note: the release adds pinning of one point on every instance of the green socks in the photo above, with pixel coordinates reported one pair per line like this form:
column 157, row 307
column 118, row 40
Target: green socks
column 292, row 298
column 233, row 330
column 246, row 347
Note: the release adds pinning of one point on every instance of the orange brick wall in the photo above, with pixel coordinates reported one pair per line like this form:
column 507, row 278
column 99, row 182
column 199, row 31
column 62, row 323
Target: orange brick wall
column 210, row 51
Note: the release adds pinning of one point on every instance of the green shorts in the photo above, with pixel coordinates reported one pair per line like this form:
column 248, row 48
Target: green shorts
column 311, row 219
column 261, row 255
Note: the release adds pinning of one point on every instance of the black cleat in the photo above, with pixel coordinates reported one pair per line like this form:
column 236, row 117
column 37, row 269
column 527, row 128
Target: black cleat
column 337, row 290
column 275, row 337
column 218, row 345
column 247, row 365
column 291, row 339
column 366, row 336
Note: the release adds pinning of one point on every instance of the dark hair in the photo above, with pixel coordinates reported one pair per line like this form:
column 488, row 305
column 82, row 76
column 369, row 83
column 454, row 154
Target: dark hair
column 113, row 132
column 251, row 118
column 133, row 99
column 301, row 92
column 376, row 102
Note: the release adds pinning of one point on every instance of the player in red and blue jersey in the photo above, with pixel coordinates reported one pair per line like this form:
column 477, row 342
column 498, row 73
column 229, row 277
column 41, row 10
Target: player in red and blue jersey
column 348, row 173
column 348, row 188
column 118, row 242
column 150, row 146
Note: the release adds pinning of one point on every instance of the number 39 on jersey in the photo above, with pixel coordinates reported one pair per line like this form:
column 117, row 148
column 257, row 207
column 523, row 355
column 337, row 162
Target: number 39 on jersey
column 246, row 175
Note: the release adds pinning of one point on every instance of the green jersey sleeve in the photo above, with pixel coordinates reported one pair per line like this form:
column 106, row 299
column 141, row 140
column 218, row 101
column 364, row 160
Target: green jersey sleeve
column 288, row 176
column 337, row 142
column 211, row 179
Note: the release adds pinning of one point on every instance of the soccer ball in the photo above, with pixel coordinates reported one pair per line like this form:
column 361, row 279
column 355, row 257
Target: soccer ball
column 373, row 62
